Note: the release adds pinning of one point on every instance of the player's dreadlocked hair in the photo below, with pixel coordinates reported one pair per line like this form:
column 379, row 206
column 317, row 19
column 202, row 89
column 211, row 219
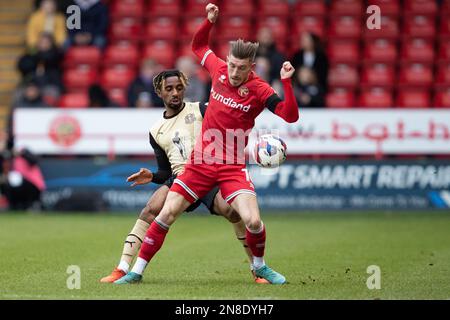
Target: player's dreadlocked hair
column 158, row 80
column 244, row 49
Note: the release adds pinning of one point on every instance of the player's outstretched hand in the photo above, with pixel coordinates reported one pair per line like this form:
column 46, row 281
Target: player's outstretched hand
column 287, row 70
column 144, row 176
column 213, row 12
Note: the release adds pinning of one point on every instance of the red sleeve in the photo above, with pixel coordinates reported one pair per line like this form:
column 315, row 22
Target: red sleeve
column 201, row 49
column 287, row 109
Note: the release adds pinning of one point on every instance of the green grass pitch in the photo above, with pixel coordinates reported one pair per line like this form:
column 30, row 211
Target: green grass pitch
column 322, row 255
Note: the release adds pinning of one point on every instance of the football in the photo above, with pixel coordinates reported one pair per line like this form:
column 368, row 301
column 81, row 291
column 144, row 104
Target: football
column 269, row 151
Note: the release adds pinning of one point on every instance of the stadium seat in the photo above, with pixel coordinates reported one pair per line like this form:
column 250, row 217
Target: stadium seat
column 420, row 7
column 313, row 24
column 126, row 8
column 376, row 97
column 378, row 74
column 380, row 50
column 86, row 55
column 347, row 7
column 310, row 8
column 123, row 53
column 343, row 51
column 387, row 7
column 277, row 24
column 345, row 27
column 273, row 8
column 416, row 75
column 444, row 52
column 389, row 29
column 161, row 28
column 419, row 26
column 161, row 51
column 129, row 29
column 443, row 76
column 343, row 75
column 189, row 26
column 74, row 100
column 79, row 78
column 197, row 7
column 119, row 96
column 117, row 78
column 417, row 50
column 340, row 98
column 164, row 8
column 222, row 49
column 442, row 98
column 185, row 49
column 237, row 8
column 234, row 27
column 413, row 98
column 444, row 27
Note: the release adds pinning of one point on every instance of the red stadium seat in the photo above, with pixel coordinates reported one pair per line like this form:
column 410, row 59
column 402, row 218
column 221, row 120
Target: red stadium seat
column 237, row 8
column 347, row 7
column 273, row 8
column 74, row 100
column 126, row 29
column 343, row 75
column 160, row 28
column 313, row 24
column 234, row 27
column 343, row 51
column 277, row 24
column 348, row 27
column 185, row 49
column 376, row 98
column 124, row 53
column 379, row 74
column 388, row 29
column 380, row 50
column 408, row 98
column 417, row 50
column 222, row 50
column 419, row 26
column 127, row 8
column 189, row 26
column 443, row 75
column 387, row 7
column 197, row 7
column 76, row 55
column 416, row 75
column 310, row 8
column 444, row 52
column 164, row 8
column 119, row 96
column 161, row 51
column 340, row 98
column 79, row 78
column 117, row 78
column 420, row 7
column 444, row 28
column 442, row 99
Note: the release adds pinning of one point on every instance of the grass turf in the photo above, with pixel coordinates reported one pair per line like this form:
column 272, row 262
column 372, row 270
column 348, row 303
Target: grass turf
column 323, row 256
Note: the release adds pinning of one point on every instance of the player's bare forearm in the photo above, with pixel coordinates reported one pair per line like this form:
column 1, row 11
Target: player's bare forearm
column 287, row 109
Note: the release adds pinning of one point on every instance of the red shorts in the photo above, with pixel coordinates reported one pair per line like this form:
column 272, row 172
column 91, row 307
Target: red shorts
column 198, row 179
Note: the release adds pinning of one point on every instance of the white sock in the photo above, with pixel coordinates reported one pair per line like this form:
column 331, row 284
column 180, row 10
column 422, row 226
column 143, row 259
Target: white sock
column 139, row 266
column 124, row 266
column 258, row 262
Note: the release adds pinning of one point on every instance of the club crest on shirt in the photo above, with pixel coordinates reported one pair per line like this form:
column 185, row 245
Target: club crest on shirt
column 222, row 78
column 243, row 91
column 190, row 118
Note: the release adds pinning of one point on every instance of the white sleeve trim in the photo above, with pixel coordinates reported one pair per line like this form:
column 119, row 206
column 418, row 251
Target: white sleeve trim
column 205, row 56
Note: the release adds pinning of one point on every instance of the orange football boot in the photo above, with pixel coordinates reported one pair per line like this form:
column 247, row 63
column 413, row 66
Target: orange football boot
column 116, row 274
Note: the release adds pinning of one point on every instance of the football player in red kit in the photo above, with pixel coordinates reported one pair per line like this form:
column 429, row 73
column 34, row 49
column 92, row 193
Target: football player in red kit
column 237, row 97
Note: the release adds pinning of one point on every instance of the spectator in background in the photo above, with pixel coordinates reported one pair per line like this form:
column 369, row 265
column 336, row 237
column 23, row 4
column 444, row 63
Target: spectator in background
column 262, row 69
column 312, row 55
column 141, row 93
column 43, row 65
column 61, row 5
column 197, row 89
column 268, row 49
column 21, row 180
column 98, row 98
column 47, row 20
column 307, row 90
column 31, row 96
column 94, row 24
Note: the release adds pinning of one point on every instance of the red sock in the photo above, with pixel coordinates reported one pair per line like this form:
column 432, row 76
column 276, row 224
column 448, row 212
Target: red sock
column 153, row 241
column 257, row 242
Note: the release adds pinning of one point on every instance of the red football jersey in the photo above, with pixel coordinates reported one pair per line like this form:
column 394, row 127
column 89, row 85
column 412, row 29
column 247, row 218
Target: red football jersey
column 231, row 113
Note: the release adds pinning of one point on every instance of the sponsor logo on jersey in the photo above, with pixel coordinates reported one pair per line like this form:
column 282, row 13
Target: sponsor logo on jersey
column 243, row 91
column 229, row 101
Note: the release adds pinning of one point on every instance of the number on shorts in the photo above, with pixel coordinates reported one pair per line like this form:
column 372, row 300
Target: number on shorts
column 247, row 177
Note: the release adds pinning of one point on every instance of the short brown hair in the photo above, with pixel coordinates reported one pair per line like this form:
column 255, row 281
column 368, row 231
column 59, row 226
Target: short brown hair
column 244, row 49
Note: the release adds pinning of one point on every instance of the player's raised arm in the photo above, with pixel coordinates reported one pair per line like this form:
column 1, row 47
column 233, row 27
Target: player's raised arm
column 200, row 42
column 287, row 109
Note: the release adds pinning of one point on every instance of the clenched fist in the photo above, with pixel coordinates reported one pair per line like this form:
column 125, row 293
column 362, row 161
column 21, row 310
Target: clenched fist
column 287, row 70
column 213, row 12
